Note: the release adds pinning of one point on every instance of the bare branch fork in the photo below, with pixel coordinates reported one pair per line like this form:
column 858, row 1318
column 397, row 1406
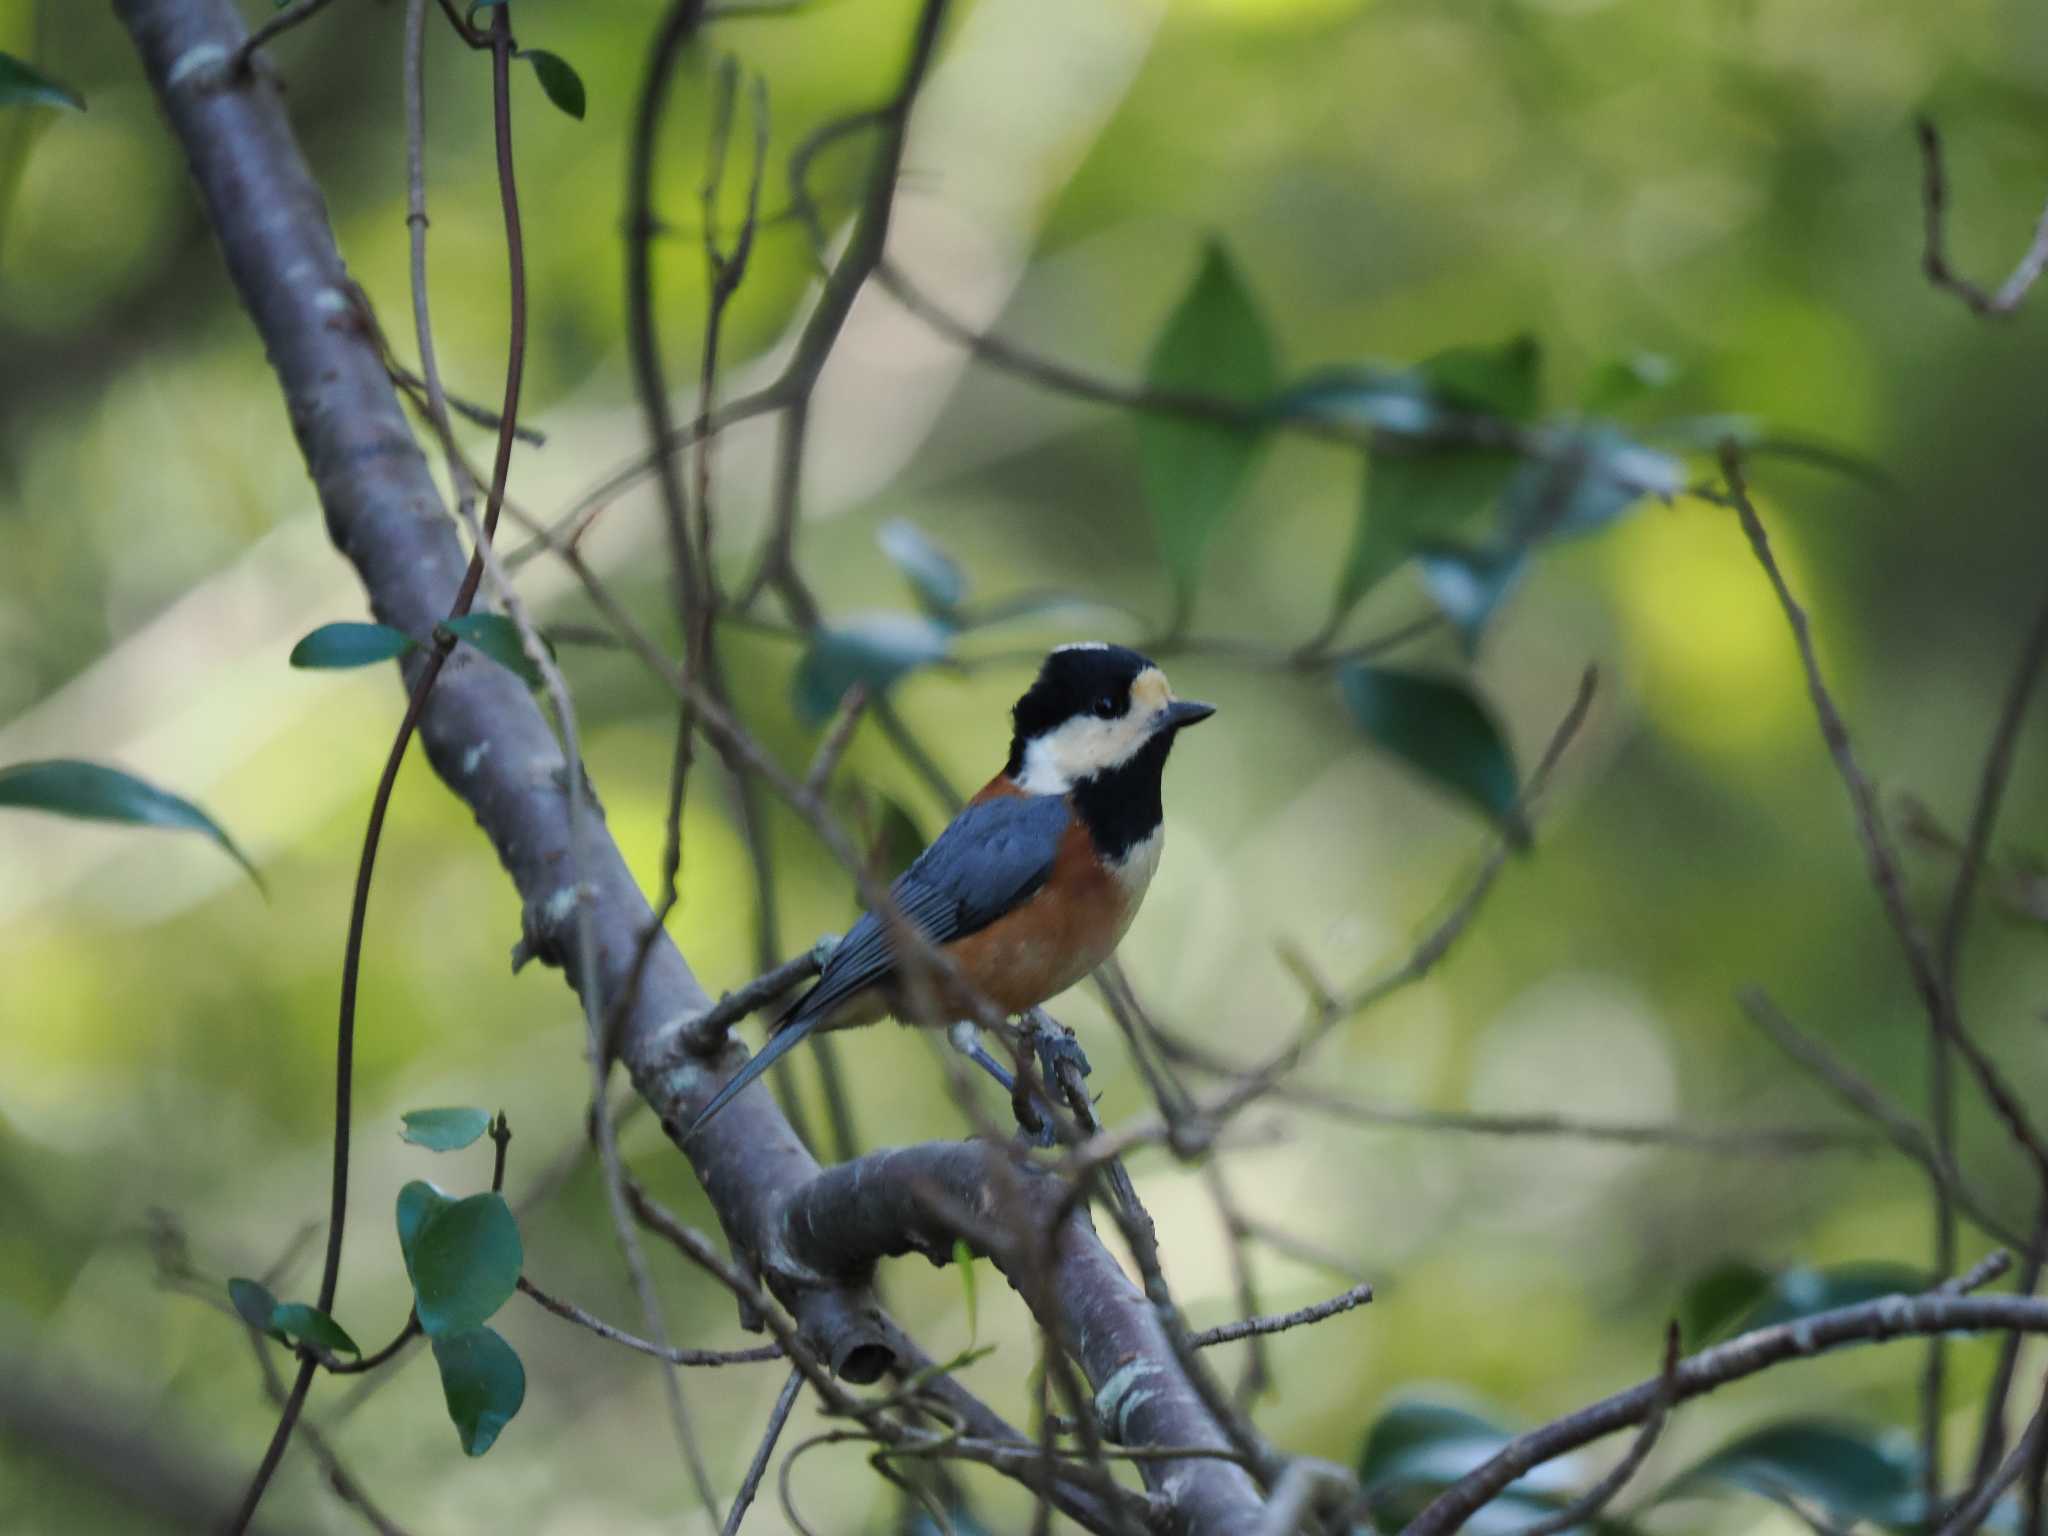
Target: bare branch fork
column 490, row 744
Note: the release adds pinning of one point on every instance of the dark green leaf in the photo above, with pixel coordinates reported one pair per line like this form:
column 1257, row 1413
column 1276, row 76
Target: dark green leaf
column 1421, row 1445
column 350, row 645
column 444, row 1130
column 937, row 581
column 1396, row 400
column 1502, row 380
column 254, row 1302
column 1438, row 727
column 563, row 85
column 296, row 1320
column 484, row 1383
column 466, row 1259
column 498, row 638
column 1856, row 1473
column 1409, row 497
column 22, row 84
column 888, row 833
column 416, row 1202
column 873, row 649
column 1592, row 476
column 1714, row 1300
column 1801, row 1292
column 1215, row 343
column 1625, row 380
column 94, row 792
column 1469, row 584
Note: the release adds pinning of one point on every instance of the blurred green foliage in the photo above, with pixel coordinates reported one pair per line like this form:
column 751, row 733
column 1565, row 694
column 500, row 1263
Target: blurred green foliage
column 1729, row 185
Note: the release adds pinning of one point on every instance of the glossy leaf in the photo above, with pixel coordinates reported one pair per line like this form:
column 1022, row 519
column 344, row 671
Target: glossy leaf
column 1442, row 730
column 1857, row 1473
column 418, row 1201
column 1623, row 381
column 465, row 1264
column 444, row 1130
column 1801, row 1292
column 1411, row 497
column 254, row 1303
column 484, row 1385
column 350, row 645
column 1468, row 585
column 23, row 85
column 95, row 792
column 933, row 576
column 295, row 1320
column 498, row 638
column 1715, row 1299
column 1214, row 343
column 1500, row 380
column 1593, row 477
column 876, row 650
column 1420, row 1445
column 563, row 85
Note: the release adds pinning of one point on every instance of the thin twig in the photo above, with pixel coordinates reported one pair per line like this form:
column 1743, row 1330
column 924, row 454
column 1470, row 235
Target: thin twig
column 277, row 26
column 670, row 1353
column 758, row 1467
column 1581, row 1510
column 1934, row 258
column 1280, row 1322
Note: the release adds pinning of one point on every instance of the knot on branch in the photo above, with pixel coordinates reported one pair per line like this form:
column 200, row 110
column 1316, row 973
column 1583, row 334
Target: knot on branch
column 547, row 923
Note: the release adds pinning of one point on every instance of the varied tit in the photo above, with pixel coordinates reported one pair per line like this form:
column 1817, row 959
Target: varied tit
column 1033, row 884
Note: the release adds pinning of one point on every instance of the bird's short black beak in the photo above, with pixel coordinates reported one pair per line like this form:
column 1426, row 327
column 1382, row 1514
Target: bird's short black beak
column 1187, row 712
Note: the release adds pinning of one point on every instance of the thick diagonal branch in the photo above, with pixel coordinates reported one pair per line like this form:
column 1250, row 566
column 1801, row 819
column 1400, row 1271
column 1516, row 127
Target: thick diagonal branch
column 490, row 744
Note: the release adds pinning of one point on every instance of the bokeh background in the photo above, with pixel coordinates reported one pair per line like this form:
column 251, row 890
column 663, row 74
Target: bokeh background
column 1731, row 184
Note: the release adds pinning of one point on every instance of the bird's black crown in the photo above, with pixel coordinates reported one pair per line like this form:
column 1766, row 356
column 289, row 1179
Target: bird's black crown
column 1075, row 680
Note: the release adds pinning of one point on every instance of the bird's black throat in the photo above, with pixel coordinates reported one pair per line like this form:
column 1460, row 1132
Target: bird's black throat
column 1120, row 806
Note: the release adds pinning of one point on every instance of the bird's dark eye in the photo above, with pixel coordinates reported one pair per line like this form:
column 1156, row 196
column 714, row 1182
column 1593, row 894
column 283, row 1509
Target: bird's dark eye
column 1105, row 707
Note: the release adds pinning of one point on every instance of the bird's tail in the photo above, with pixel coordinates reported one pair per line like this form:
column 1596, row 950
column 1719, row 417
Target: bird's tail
column 786, row 1038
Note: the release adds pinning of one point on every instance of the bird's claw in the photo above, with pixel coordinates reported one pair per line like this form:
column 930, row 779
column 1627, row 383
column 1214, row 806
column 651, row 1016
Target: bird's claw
column 1055, row 1045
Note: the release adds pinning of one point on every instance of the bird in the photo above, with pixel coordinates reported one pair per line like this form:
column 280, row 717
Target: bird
column 1036, row 881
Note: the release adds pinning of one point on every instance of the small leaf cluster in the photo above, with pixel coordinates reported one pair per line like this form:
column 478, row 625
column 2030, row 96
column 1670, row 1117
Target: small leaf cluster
column 1849, row 1472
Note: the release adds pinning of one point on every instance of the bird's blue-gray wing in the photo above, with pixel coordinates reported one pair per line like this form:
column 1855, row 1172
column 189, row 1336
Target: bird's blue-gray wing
column 992, row 858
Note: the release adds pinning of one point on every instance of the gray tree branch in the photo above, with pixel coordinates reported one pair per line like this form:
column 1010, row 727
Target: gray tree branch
column 490, row 744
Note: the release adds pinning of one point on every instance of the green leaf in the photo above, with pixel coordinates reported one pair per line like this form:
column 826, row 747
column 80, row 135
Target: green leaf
column 963, row 1259
column 296, row 1320
column 1718, row 1297
column 1856, row 1473
column 418, row 1201
column 1801, row 1292
column 1623, row 381
column 22, row 84
column 1595, row 475
column 563, row 85
column 255, row 1304
column 1215, row 343
column 1440, row 728
column 1420, row 1445
column 1498, row 380
column 1410, row 496
column 350, row 645
column 484, row 1383
column 498, row 638
column 444, row 1130
column 937, row 581
column 875, row 650
column 1467, row 585
column 465, row 1263
column 95, row 792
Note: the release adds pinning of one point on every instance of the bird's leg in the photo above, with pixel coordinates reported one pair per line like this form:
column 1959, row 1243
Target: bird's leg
column 1055, row 1044
column 967, row 1041
column 1034, row 1116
